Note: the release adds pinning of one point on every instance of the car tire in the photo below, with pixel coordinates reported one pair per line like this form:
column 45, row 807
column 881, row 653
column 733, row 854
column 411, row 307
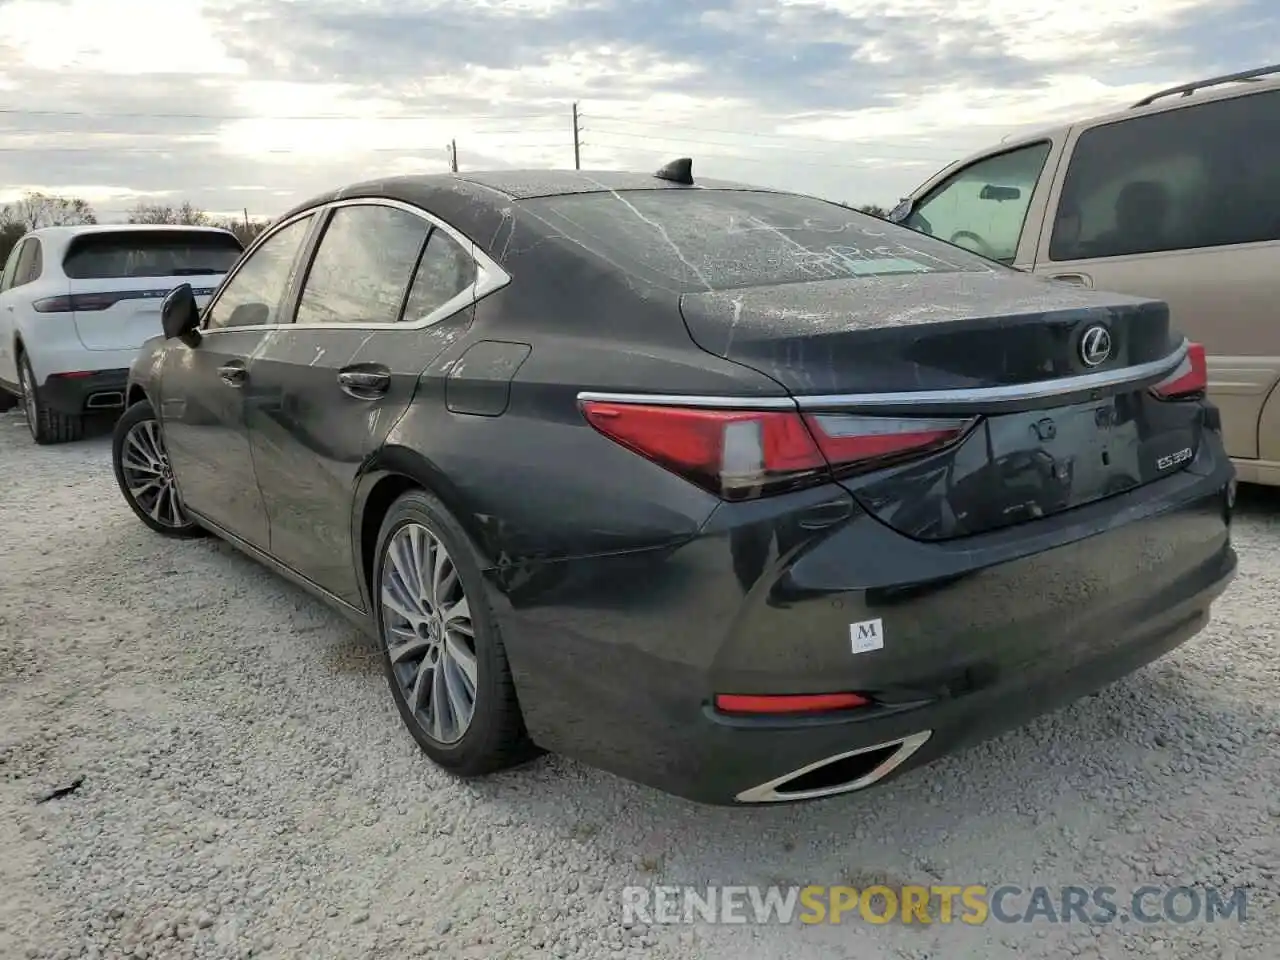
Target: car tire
column 47, row 426
column 494, row 736
column 137, row 440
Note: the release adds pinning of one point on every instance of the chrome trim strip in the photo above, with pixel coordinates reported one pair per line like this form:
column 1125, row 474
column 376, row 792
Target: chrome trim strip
column 769, row 792
column 490, row 277
column 668, row 400
column 977, row 396
column 1039, row 390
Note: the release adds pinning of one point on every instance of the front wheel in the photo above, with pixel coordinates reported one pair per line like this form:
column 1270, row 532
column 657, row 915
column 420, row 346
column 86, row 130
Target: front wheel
column 441, row 645
column 143, row 473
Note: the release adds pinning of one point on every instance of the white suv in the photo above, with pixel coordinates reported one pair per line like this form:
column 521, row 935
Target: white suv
column 77, row 302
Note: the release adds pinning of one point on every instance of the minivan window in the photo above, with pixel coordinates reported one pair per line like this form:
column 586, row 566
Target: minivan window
column 363, row 266
column 983, row 207
column 1198, row 176
column 721, row 239
column 150, row 253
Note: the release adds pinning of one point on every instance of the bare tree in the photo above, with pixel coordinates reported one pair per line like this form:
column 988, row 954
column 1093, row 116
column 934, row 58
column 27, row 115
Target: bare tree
column 37, row 210
column 245, row 229
column 185, row 214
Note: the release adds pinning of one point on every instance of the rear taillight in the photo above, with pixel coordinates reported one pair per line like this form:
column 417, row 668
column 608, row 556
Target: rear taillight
column 743, row 454
column 1190, row 378
column 78, row 302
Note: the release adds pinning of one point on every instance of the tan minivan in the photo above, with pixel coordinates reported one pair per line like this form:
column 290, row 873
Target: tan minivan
column 1176, row 198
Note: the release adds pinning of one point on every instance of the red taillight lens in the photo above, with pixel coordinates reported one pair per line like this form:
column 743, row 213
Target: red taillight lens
column 1189, row 379
column 742, row 454
column 53, row 305
column 788, row 703
column 78, row 302
column 849, row 441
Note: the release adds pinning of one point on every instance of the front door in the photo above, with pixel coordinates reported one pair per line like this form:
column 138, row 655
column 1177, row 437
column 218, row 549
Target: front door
column 385, row 294
column 202, row 403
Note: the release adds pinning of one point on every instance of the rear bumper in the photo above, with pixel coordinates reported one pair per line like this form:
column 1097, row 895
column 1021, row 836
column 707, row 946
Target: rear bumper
column 88, row 392
column 617, row 659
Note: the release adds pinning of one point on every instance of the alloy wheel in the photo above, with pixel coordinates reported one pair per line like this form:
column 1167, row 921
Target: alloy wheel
column 28, row 398
column 148, row 477
column 428, row 633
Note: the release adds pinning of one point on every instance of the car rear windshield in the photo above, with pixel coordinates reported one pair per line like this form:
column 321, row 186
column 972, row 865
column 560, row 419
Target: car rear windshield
column 140, row 253
column 724, row 239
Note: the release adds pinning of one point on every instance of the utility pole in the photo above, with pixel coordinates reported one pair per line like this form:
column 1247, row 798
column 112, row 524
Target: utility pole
column 453, row 155
column 577, row 142
column 246, row 218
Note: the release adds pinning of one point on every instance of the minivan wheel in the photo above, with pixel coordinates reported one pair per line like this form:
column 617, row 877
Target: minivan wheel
column 142, row 471
column 47, row 426
column 441, row 646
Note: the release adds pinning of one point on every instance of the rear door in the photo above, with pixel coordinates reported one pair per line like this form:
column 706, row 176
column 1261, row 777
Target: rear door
column 387, row 291
column 117, row 279
column 8, row 319
column 1180, row 206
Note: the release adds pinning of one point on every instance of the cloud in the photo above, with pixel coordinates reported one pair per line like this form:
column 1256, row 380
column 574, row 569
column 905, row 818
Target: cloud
column 259, row 103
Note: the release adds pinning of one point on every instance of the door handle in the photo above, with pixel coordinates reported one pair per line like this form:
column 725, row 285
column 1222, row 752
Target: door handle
column 1078, row 279
column 233, row 374
column 364, row 384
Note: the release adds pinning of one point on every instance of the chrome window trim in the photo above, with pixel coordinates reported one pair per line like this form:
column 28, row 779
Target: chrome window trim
column 490, row 277
column 977, row 396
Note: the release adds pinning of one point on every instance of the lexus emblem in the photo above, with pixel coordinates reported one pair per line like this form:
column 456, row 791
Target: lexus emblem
column 1095, row 346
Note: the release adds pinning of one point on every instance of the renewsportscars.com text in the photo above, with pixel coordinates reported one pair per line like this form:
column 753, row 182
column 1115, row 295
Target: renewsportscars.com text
column 972, row 904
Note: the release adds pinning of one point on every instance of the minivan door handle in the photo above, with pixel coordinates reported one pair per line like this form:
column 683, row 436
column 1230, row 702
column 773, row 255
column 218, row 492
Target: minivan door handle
column 233, row 374
column 365, row 384
column 1078, row 279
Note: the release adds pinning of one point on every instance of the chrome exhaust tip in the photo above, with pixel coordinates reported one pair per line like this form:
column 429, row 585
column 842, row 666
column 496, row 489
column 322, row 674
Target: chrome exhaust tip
column 841, row 773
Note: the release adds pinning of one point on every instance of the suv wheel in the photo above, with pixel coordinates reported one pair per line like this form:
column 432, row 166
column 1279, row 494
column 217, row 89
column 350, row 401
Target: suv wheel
column 142, row 471
column 46, row 425
column 441, row 646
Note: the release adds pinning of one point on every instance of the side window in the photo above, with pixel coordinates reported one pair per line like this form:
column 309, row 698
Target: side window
column 252, row 296
column 11, row 267
column 363, row 266
column 1199, row 176
column 30, row 263
column 983, row 207
column 446, row 270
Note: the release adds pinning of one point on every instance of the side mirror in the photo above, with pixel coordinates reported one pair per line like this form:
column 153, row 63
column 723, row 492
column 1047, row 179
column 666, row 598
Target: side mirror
column 179, row 315
column 249, row 315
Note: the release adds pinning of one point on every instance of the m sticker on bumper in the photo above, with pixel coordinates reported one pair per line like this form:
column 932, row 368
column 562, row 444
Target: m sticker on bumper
column 866, row 635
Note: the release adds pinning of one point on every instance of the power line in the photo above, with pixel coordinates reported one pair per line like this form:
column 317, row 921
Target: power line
column 779, row 148
column 748, row 134
column 380, row 118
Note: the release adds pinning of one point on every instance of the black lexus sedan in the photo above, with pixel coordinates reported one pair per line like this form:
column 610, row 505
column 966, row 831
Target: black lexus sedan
column 734, row 492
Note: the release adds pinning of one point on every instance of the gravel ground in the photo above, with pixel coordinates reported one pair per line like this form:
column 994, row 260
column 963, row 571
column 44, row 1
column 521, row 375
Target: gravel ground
column 248, row 789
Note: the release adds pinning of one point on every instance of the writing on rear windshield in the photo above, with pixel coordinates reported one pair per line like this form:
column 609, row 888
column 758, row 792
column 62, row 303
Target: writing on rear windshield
column 845, row 261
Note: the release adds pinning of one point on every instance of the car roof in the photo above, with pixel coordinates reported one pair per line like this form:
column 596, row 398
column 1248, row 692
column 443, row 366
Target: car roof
column 1202, row 91
column 479, row 203
column 76, row 230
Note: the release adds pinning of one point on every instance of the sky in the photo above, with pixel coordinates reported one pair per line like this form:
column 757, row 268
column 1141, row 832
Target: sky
column 258, row 104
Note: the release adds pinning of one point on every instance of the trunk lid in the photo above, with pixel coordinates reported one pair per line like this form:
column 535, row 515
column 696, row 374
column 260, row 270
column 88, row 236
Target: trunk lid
column 118, row 280
column 1049, row 430
column 922, row 332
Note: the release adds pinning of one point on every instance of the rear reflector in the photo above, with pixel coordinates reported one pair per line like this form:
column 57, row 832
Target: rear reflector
column 744, row 454
column 794, row 703
column 1189, row 379
column 80, row 302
